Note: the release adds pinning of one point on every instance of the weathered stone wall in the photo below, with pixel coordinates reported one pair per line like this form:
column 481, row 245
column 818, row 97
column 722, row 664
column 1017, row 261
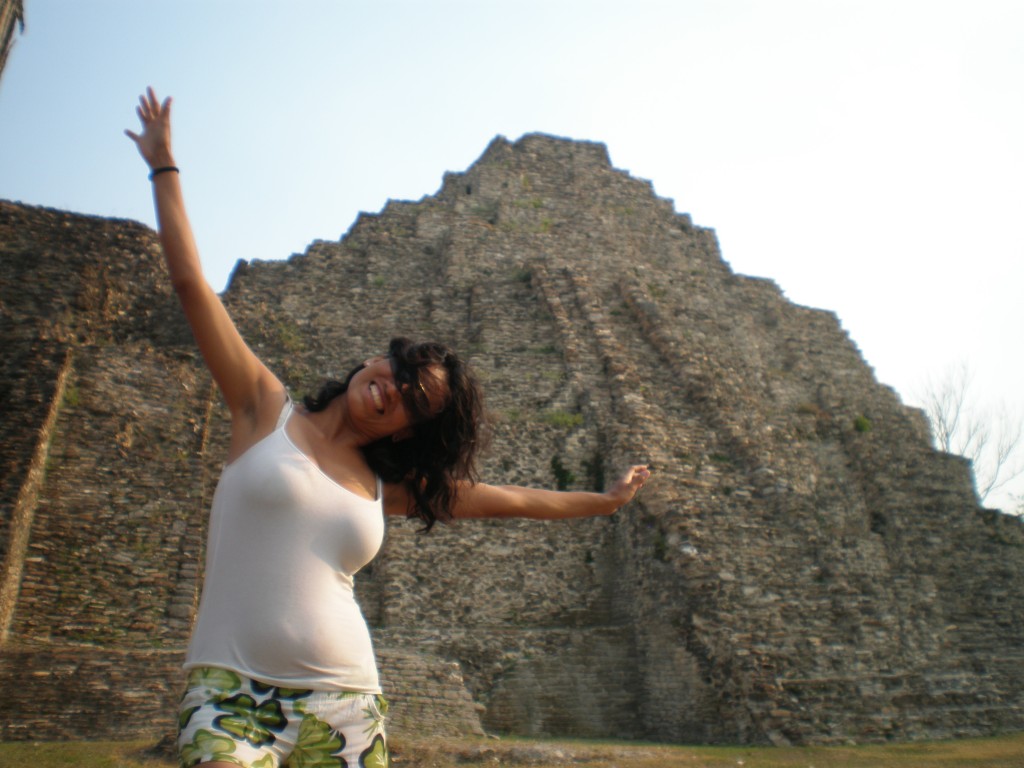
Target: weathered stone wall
column 802, row 568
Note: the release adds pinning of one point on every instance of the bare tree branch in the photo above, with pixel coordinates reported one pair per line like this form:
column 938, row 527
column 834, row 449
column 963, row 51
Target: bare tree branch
column 991, row 440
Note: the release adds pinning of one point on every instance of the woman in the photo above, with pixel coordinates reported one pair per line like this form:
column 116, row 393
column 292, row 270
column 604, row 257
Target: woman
column 281, row 669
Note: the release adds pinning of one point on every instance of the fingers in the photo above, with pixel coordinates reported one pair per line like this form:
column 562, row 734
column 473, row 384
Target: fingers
column 153, row 140
column 150, row 108
column 632, row 481
column 638, row 475
column 151, row 103
column 144, row 110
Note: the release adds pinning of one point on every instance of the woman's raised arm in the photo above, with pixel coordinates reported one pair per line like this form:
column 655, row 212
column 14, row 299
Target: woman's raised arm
column 247, row 384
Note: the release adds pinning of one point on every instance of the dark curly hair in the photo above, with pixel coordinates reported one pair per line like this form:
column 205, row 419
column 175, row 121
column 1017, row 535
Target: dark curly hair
column 442, row 449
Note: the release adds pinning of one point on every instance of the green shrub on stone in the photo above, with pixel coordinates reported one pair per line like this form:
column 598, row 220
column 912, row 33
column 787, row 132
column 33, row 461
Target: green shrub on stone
column 562, row 419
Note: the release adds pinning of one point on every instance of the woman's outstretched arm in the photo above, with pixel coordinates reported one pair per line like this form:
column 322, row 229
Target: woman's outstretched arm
column 244, row 381
column 481, row 500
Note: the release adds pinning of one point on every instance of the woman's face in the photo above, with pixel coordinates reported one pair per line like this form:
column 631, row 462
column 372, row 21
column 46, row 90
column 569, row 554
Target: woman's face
column 386, row 398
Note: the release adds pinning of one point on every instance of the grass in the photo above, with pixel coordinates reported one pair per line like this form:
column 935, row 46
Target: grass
column 997, row 752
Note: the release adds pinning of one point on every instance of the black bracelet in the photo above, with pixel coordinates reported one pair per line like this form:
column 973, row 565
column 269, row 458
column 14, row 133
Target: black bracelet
column 163, row 169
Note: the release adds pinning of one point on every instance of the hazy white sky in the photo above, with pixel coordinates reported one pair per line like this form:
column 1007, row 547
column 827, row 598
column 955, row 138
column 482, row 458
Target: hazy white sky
column 866, row 155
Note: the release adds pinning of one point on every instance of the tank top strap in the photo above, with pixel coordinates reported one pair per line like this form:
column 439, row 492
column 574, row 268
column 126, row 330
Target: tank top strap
column 286, row 411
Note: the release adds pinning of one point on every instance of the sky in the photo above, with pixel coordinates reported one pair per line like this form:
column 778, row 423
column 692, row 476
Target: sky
column 868, row 156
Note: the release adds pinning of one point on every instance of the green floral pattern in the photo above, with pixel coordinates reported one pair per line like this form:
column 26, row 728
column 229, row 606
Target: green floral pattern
column 376, row 755
column 251, row 721
column 375, row 717
column 207, row 747
column 256, row 716
column 215, row 679
column 319, row 746
column 185, row 716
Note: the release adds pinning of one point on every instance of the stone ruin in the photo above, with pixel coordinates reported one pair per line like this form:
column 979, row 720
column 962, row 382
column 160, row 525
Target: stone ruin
column 803, row 567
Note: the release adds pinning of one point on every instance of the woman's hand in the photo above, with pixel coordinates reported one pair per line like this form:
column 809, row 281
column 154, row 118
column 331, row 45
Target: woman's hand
column 632, row 481
column 154, row 143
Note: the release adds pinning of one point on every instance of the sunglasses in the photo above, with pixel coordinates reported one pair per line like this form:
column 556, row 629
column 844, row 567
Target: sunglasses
column 414, row 396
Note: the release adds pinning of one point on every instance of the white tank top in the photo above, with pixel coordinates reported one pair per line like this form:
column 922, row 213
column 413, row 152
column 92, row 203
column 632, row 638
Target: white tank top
column 284, row 543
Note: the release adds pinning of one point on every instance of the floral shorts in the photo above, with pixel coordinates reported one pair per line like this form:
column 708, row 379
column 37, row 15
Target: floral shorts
column 225, row 716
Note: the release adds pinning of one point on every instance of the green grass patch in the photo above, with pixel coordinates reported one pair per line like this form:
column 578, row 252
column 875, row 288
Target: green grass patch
column 81, row 754
column 72, row 396
column 997, row 752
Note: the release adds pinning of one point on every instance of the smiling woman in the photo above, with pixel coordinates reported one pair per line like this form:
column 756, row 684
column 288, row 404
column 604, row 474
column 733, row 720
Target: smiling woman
column 432, row 438
column 281, row 663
